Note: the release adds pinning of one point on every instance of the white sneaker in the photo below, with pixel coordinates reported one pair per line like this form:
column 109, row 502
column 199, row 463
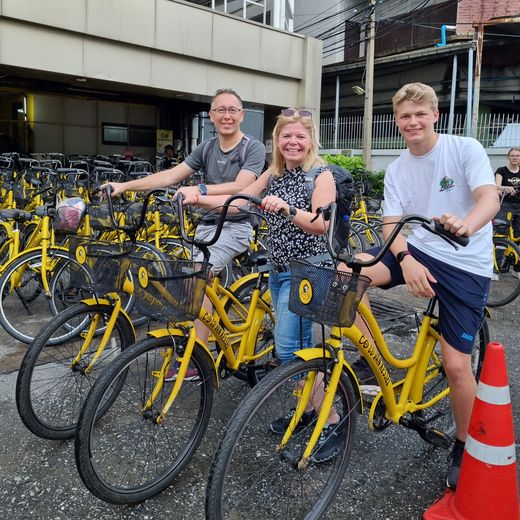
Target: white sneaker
column 494, row 277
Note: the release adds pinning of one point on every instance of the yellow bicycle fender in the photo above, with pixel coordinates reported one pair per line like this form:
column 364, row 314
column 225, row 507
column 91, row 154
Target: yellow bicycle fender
column 161, row 333
column 316, row 353
column 94, row 301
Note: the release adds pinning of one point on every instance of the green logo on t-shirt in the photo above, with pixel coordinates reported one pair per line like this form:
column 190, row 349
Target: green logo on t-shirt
column 446, row 183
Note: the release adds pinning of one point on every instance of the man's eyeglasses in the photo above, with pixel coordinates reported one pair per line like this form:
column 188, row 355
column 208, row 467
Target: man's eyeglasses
column 289, row 112
column 231, row 110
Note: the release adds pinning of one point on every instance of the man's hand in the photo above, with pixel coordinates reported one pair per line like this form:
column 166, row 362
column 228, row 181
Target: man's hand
column 417, row 277
column 191, row 195
column 455, row 225
column 117, row 188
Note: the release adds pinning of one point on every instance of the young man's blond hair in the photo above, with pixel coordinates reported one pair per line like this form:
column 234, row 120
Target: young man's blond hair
column 418, row 93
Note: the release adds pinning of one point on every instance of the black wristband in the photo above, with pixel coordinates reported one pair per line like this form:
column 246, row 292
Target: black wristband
column 400, row 256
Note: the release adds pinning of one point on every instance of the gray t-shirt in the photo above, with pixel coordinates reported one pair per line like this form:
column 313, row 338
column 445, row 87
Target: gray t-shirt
column 225, row 166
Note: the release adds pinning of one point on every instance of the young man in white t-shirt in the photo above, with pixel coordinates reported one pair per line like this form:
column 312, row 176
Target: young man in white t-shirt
column 449, row 178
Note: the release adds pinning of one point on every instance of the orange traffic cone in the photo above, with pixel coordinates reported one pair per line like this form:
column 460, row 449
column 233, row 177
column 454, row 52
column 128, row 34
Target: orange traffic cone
column 488, row 481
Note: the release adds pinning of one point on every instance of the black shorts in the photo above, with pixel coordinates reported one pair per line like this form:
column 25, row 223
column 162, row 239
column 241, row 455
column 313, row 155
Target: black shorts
column 462, row 297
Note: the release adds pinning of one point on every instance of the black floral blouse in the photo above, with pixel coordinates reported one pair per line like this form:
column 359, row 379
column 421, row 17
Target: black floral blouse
column 285, row 240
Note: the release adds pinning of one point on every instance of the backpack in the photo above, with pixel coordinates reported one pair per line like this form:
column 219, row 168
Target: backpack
column 344, row 196
column 239, row 157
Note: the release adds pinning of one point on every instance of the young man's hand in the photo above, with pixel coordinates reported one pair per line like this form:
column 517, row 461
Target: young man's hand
column 417, row 277
column 455, row 225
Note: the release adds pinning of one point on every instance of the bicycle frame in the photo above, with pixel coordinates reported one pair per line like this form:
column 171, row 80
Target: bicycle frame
column 400, row 397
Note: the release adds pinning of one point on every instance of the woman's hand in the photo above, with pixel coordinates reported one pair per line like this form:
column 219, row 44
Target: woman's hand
column 509, row 190
column 275, row 205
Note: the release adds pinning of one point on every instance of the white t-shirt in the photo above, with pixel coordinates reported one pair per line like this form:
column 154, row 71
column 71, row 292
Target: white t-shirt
column 441, row 182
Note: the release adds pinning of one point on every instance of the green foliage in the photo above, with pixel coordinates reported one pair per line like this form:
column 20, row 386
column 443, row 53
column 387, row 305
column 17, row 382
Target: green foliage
column 356, row 167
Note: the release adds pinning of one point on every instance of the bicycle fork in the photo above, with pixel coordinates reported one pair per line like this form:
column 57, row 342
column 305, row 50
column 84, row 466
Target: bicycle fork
column 161, row 374
column 304, row 395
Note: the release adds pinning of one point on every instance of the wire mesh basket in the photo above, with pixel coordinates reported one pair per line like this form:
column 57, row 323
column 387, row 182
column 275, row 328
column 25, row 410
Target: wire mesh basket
column 325, row 295
column 168, row 290
column 100, row 266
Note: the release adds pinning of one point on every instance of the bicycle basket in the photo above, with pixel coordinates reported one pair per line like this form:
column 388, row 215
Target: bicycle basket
column 324, row 295
column 99, row 266
column 69, row 215
column 170, row 290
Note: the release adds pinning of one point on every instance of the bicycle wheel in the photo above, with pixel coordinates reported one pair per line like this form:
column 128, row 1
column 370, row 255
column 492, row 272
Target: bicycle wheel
column 440, row 416
column 22, row 316
column 505, row 284
column 256, row 370
column 54, row 380
column 252, row 478
column 127, row 457
column 370, row 234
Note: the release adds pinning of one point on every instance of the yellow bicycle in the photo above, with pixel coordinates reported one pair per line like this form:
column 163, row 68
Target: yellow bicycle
column 161, row 388
column 257, row 473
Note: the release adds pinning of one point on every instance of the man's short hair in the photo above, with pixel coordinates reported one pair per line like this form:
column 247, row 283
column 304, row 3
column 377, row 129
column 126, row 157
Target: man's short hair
column 226, row 91
column 418, row 93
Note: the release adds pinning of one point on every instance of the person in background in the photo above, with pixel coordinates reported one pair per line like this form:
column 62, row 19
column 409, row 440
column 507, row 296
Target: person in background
column 169, row 159
column 507, row 179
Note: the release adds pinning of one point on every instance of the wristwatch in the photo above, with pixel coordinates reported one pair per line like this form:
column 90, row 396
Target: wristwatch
column 400, row 256
column 292, row 213
column 203, row 189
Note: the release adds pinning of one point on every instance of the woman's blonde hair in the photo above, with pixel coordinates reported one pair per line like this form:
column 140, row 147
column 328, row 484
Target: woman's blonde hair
column 418, row 93
column 312, row 159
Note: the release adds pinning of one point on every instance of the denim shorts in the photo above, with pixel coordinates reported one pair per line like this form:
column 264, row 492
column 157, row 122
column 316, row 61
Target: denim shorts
column 462, row 297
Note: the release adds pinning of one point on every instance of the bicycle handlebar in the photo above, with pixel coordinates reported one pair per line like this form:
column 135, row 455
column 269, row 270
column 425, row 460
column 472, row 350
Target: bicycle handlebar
column 431, row 225
column 220, row 223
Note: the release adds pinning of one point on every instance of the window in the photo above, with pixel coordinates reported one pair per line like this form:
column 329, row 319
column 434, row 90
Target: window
column 142, row 136
column 114, row 133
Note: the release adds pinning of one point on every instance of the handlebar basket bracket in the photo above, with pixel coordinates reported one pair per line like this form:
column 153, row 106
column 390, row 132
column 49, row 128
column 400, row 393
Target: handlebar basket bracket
column 169, row 290
column 325, row 295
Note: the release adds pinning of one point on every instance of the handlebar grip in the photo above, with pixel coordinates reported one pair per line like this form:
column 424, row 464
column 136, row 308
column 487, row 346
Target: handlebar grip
column 257, row 201
column 439, row 228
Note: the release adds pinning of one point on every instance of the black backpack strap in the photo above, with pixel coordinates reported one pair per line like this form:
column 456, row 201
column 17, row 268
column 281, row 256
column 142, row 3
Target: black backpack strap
column 207, row 147
column 310, row 176
column 242, row 148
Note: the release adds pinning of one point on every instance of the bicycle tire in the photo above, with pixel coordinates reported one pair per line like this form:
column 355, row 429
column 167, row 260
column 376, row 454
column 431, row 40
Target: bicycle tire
column 23, row 318
column 256, row 370
column 250, row 479
column 506, row 260
column 126, row 457
column 50, row 387
column 440, row 415
column 369, row 234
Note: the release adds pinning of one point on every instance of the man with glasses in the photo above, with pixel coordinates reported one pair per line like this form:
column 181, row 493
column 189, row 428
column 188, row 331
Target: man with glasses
column 228, row 169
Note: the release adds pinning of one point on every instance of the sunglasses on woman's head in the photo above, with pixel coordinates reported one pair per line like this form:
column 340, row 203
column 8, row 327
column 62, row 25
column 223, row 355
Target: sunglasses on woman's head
column 288, row 112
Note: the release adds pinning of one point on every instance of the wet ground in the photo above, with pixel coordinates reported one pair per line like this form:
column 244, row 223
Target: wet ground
column 394, row 475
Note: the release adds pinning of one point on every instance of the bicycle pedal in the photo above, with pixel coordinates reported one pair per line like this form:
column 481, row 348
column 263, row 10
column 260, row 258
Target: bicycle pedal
column 438, row 438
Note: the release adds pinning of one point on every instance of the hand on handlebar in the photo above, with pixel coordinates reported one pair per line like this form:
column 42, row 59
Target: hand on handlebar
column 275, row 205
column 191, row 195
column 114, row 188
column 454, row 224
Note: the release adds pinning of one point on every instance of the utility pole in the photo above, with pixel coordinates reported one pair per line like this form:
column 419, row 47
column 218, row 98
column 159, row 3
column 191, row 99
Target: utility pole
column 369, row 89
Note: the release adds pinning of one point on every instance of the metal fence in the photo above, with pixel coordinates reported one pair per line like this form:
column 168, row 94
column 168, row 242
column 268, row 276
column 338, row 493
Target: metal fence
column 493, row 130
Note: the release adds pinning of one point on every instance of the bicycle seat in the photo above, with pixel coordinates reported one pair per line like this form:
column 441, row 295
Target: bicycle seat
column 15, row 214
